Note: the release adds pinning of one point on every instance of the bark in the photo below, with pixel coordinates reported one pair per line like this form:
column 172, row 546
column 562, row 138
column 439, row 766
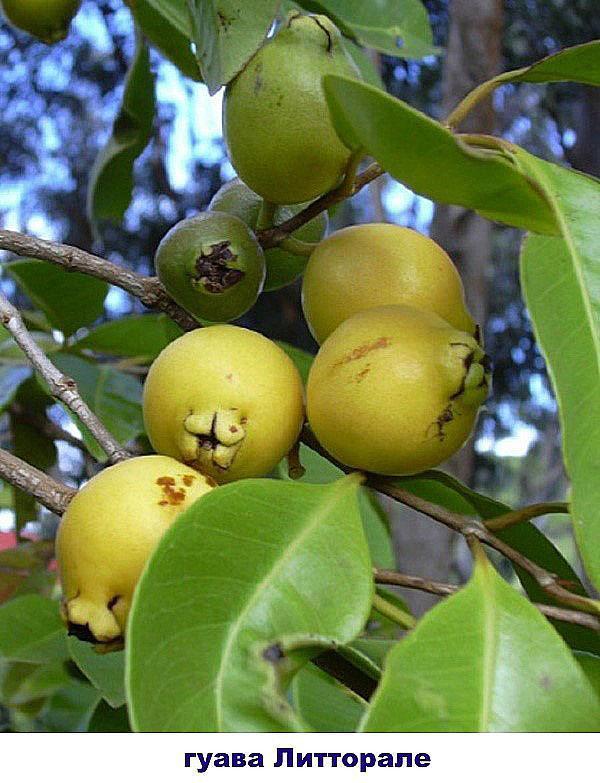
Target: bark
column 473, row 55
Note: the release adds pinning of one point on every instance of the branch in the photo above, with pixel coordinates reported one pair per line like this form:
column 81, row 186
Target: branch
column 385, row 577
column 61, row 387
column 149, row 290
column 50, row 493
column 550, row 583
column 525, row 514
column 271, row 237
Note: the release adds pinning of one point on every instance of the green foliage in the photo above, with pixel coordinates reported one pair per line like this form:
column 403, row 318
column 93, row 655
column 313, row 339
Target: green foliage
column 111, row 181
column 31, row 631
column 139, row 337
column 242, row 625
column 501, row 667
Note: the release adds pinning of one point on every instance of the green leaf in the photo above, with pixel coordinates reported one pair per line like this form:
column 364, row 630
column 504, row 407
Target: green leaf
column 172, row 42
column 438, row 487
column 31, row 630
column 302, row 359
column 246, row 585
column 70, row 708
column 10, row 380
column 114, row 396
column 591, row 668
column 105, row 672
column 325, row 704
column 105, row 719
column 111, row 179
column 396, row 27
column 500, row 667
column 226, row 36
column 11, row 354
column 24, row 683
column 367, row 68
column 561, row 285
column 434, row 162
column 140, row 336
column 69, row 299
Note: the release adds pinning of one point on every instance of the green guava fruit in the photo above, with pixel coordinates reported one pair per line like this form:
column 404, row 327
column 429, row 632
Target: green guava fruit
column 283, row 267
column 47, row 20
column 276, row 122
column 212, row 265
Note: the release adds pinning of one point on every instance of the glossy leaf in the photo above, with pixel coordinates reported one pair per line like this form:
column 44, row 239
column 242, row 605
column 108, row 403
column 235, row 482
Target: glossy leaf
column 396, row 27
column 483, row 660
column 114, row 396
column 105, row 672
column 243, row 584
column 69, row 299
column 561, row 284
column 226, row 36
column 440, row 488
column 111, row 179
column 106, row 719
column 591, row 668
column 171, row 41
column 325, row 704
column 431, row 160
column 31, row 631
column 138, row 336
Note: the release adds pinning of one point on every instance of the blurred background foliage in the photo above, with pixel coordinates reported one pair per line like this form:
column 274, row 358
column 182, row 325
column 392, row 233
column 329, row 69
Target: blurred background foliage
column 57, row 105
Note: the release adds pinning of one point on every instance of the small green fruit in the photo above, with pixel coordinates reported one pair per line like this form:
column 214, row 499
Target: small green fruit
column 396, row 390
column 108, row 532
column 47, row 20
column 212, row 265
column 225, row 400
column 276, row 122
column 283, row 267
column 377, row 264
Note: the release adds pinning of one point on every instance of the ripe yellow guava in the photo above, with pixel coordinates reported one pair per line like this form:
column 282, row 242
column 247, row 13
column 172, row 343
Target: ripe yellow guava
column 276, row 123
column 379, row 264
column 283, row 267
column 396, row 390
column 107, row 533
column 225, row 400
column 47, row 20
column 212, row 265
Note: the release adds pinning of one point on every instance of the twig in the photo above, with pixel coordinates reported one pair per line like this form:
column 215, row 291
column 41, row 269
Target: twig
column 149, row 290
column 385, row 577
column 468, row 527
column 271, row 237
column 525, row 514
column 61, row 387
column 50, row 493
column 393, row 613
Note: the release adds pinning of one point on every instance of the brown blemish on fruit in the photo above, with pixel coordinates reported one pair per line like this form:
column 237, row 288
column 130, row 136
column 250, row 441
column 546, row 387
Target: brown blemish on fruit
column 170, row 495
column 363, row 373
column 229, row 376
column 445, row 417
column 233, row 428
column 363, row 350
column 213, row 270
column 188, row 480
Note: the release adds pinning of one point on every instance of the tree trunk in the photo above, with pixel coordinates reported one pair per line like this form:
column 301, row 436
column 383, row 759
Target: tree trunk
column 473, row 56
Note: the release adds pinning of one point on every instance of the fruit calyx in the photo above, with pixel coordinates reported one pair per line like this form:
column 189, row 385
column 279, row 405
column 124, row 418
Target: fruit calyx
column 320, row 21
column 213, row 268
column 212, row 439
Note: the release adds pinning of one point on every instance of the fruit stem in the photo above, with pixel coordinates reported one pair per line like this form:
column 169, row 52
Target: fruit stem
column 298, row 247
column 266, row 215
column 525, row 514
column 346, row 188
column 394, row 613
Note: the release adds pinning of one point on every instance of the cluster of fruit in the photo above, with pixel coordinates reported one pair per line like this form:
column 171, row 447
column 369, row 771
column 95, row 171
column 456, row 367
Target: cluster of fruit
column 394, row 389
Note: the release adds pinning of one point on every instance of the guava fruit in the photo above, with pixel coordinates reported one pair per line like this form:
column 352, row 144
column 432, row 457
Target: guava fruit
column 47, row 20
column 396, row 390
column 276, row 122
column 225, row 400
column 212, row 265
column 108, row 532
column 377, row 264
column 283, row 267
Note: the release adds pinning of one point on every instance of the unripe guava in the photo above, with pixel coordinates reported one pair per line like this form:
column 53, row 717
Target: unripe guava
column 276, row 122
column 47, row 20
column 283, row 267
column 396, row 390
column 225, row 400
column 377, row 264
column 212, row 265
column 107, row 533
